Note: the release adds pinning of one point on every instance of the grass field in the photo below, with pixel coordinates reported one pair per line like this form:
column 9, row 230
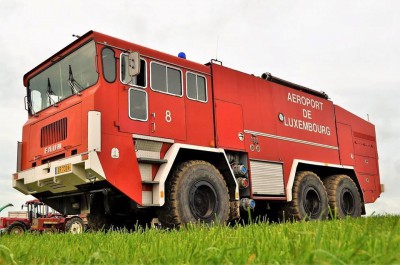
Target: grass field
column 372, row 240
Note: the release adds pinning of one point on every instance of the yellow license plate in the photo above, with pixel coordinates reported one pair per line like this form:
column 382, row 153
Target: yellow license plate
column 63, row 169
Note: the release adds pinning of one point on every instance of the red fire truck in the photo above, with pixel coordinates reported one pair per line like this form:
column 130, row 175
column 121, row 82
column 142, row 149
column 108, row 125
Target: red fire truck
column 125, row 134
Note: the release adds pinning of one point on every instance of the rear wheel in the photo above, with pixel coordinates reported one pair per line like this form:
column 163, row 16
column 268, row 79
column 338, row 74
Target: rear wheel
column 309, row 201
column 196, row 192
column 74, row 226
column 16, row 228
column 344, row 198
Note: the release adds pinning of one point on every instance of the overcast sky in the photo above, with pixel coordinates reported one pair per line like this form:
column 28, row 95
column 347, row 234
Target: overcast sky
column 349, row 49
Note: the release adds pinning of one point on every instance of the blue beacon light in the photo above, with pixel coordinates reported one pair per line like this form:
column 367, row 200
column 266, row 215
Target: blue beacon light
column 182, row 55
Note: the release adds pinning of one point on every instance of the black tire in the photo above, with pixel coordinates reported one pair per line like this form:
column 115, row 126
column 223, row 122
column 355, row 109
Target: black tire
column 74, row 226
column 309, row 198
column 195, row 192
column 16, row 228
column 343, row 195
column 97, row 219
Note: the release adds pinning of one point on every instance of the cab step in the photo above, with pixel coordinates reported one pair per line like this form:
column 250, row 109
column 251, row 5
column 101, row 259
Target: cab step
column 146, row 160
column 148, row 205
column 150, row 182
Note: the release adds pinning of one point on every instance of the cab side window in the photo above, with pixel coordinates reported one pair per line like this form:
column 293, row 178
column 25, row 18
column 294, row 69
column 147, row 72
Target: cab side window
column 139, row 80
column 196, row 87
column 138, row 104
column 165, row 79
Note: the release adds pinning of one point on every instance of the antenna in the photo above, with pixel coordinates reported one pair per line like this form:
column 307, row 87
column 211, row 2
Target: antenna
column 367, row 117
column 216, row 52
column 76, row 36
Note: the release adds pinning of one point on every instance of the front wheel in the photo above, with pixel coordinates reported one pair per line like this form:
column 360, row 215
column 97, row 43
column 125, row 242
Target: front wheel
column 74, row 226
column 309, row 201
column 16, row 228
column 196, row 192
column 344, row 198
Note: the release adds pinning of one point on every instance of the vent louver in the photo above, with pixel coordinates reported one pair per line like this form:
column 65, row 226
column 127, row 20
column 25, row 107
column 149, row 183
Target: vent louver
column 53, row 132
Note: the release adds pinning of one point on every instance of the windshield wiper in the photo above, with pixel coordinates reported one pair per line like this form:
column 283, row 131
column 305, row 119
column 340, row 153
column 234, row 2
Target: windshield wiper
column 75, row 86
column 50, row 93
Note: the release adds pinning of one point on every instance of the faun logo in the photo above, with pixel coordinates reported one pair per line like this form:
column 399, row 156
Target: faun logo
column 52, row 148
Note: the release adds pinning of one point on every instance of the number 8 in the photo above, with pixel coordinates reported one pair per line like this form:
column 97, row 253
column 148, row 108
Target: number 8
column 168, row 116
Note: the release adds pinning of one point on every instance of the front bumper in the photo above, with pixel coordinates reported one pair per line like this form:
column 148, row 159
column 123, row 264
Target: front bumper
column 63, row 175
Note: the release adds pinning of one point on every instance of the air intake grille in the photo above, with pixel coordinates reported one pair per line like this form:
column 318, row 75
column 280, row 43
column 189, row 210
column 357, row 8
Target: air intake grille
column 53, row 133
column 267, row 178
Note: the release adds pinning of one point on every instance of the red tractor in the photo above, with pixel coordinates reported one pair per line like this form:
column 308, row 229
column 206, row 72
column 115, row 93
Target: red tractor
column 40, row 217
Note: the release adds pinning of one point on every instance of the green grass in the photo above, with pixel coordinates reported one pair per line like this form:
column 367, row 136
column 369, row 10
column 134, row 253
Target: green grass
column 372, row 240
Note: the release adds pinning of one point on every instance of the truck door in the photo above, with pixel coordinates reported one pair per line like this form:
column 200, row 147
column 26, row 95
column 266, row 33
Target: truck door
column 229, row 130
column 346, row 147
column 166, row 102
column 133, row 101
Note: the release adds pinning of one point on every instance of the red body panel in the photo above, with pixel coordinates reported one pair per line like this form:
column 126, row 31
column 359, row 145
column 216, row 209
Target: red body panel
column 122, row 172
column 362, row 138
column 307, row 130
column 167, row 116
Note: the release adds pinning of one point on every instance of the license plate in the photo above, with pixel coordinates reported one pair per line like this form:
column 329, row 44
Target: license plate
column 63, row 169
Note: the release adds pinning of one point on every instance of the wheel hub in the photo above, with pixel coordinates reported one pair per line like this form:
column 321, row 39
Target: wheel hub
column 348, row 202
column 76, row 228
column 203, row 200
column 312, row 203
column 17, row 231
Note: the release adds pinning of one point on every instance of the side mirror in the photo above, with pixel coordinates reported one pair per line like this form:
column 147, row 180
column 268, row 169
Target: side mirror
column 26, row 103
column 130, row 67
column 133, row 64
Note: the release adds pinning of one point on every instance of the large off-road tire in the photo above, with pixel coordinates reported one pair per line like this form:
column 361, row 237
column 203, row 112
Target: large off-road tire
column 344, row 198
column 309, row 198
column 16, row 228
column 74, row 226
column 195, row 192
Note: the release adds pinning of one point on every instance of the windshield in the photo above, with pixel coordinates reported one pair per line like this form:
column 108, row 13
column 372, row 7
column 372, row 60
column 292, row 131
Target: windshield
column 75, row 72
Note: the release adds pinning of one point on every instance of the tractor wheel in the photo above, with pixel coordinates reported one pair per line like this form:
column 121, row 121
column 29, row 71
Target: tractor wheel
column 74, row 226
column 196, row 192
column 344, row 198
column 309, row 198
column 16, row 228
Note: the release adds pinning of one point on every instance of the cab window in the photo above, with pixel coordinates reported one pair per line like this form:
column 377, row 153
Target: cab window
column 165, row 79
column 139, row 80
column 109, row 64
column 137, row 104
column 196, row 87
